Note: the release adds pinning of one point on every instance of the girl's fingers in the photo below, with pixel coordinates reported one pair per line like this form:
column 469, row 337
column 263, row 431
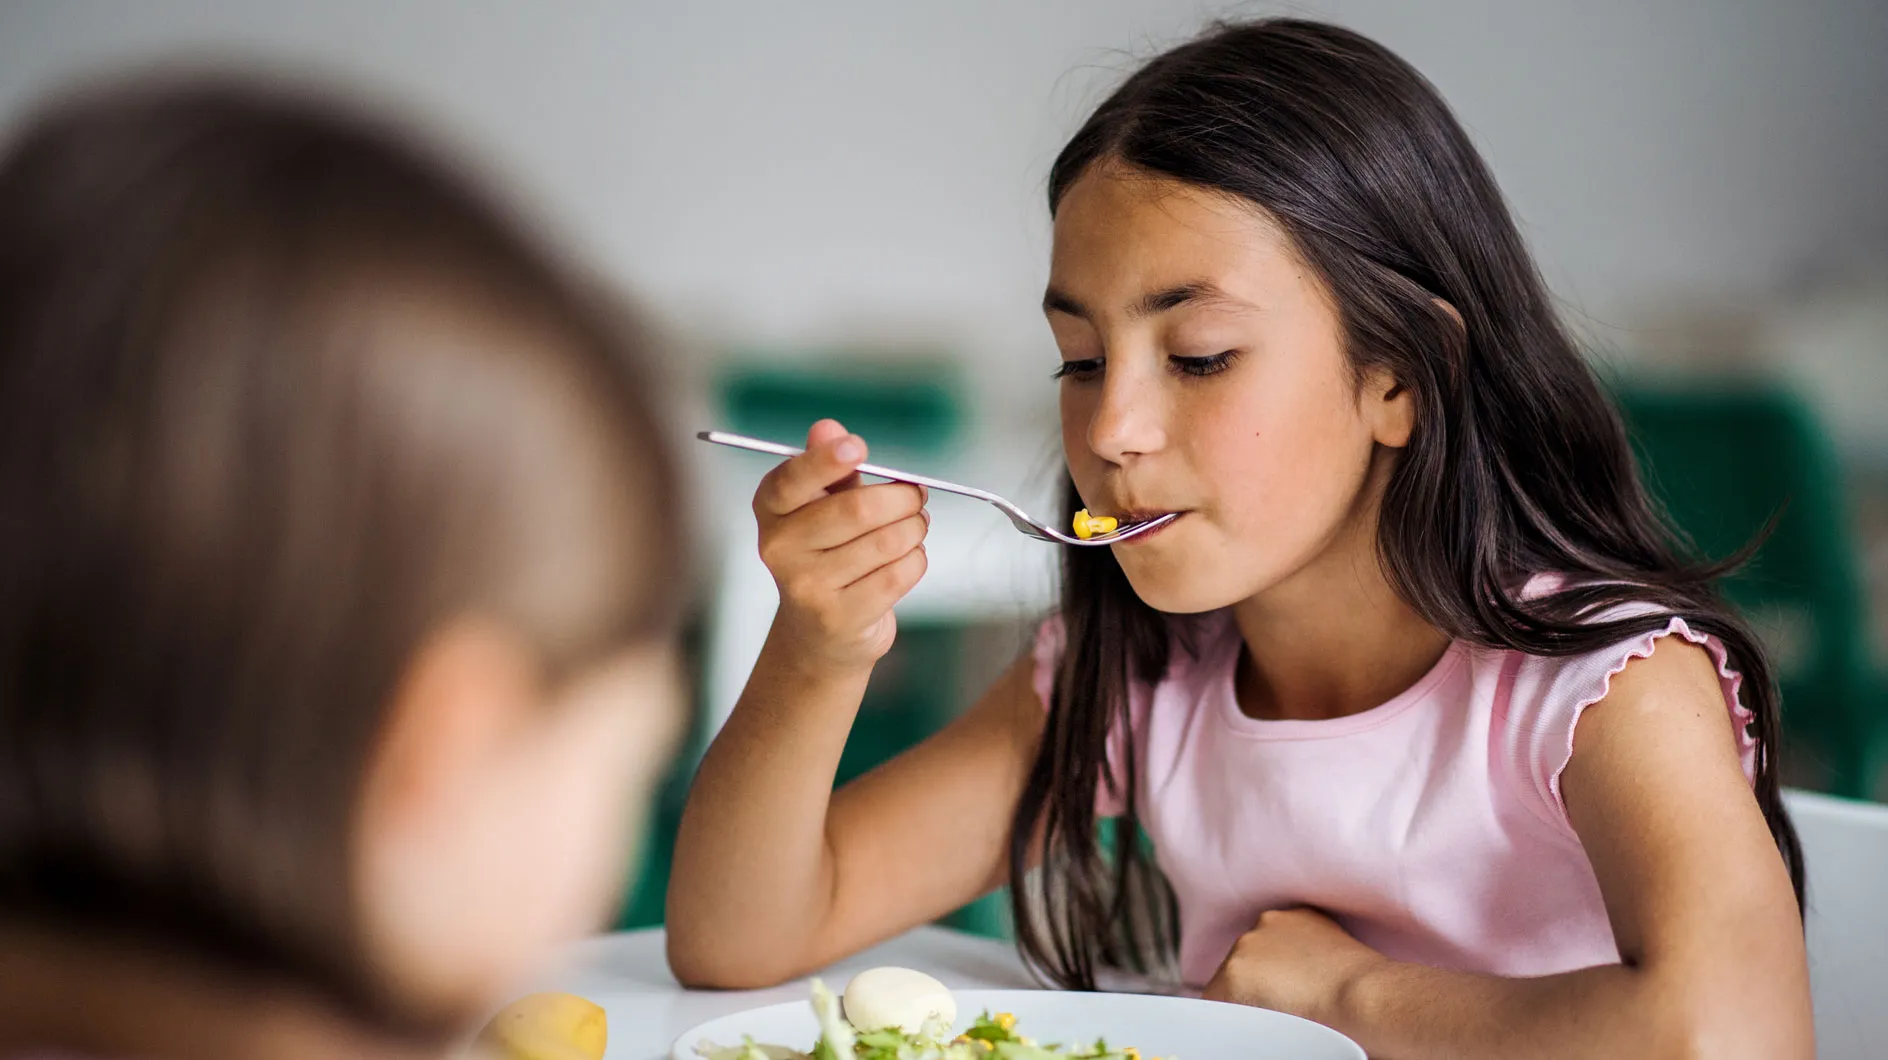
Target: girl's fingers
column 830, row 463
column 878, row 591
column 845, row 565
column 834, row 521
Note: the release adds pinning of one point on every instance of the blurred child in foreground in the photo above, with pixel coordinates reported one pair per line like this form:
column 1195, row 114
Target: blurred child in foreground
column 336, row 656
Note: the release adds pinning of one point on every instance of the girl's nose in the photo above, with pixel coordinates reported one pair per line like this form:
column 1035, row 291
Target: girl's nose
column 1129, row 420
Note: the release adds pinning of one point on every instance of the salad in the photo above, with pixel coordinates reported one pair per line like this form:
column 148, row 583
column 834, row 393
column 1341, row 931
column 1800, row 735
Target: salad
column 989, row 1038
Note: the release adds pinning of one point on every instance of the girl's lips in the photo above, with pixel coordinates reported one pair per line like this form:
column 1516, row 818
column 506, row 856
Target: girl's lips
column 1128, row 519
column 1140, row 515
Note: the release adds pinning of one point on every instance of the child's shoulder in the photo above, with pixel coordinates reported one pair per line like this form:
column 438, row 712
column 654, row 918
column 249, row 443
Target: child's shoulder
column 1540, row 699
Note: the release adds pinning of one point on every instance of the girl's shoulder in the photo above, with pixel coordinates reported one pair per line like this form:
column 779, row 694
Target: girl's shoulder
column 1540, row 699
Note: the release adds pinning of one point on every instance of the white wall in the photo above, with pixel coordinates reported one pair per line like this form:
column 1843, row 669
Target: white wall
column 796, row 172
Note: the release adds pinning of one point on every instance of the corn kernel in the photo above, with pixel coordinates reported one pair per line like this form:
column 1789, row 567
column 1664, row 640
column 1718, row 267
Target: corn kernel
column 1087, row 526
column 1006, row 1021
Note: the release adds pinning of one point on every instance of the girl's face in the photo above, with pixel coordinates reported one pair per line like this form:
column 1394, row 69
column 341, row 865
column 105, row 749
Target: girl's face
column 1204, row 372
column 501, row 815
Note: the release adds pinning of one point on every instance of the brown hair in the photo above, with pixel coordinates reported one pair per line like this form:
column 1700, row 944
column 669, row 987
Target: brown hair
column 279, row 395
column 1518, row 464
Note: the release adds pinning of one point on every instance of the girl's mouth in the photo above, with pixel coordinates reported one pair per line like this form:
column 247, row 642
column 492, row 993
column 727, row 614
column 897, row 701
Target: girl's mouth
column 1133, row 518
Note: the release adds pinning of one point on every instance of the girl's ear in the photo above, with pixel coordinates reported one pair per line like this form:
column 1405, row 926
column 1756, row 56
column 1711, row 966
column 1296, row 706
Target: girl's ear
column 1390, row 404
column 1391, row 407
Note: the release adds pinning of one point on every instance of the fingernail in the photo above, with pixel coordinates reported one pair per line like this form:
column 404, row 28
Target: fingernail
column 926, row 512
column 848, row 451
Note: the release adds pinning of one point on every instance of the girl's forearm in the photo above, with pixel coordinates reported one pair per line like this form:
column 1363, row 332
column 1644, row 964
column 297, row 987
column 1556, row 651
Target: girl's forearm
column 1399, row 1011
column 752, row 873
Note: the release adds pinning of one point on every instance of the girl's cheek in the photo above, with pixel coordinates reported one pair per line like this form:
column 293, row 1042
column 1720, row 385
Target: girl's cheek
column 1235, row 442
column 1285, row 475
column 630, row 737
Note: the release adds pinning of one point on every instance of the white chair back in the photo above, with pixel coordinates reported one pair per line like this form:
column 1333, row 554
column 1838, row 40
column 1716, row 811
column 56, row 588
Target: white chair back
column 1845, row 848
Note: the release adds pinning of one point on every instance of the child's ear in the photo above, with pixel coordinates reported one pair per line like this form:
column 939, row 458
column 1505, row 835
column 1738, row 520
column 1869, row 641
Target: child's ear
column 1391, row 407
column 463, row 696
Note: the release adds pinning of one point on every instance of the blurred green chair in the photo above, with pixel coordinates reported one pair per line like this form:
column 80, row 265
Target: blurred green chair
column 647, row 897
column 915, row 691
column 909, row 406
column 1724, row 461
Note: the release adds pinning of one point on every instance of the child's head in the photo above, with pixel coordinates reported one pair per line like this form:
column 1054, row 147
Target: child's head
column 1291, row 304
column 337, row 556
column 1310, row 294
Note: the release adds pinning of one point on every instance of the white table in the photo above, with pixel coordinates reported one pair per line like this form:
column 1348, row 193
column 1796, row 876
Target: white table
column 629, row 976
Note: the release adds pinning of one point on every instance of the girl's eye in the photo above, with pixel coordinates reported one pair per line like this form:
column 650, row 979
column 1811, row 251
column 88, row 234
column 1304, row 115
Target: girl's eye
column 1079, row 370
column 1202, row 366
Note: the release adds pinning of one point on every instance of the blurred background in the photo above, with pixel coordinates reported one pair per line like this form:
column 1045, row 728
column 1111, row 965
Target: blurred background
column 836, row 208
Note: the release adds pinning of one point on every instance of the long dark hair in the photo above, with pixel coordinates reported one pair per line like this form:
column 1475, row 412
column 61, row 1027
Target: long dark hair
column 1518, row 464
column 280, row 394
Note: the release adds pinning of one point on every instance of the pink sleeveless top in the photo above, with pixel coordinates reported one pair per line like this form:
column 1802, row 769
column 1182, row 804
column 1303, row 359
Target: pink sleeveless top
column 1431, row 827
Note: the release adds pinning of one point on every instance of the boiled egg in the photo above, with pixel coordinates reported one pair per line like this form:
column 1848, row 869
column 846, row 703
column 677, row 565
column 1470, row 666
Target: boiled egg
column 897, row 998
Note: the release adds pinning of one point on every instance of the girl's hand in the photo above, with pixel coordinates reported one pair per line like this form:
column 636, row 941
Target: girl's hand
column 841, row 553
column 1296, row 961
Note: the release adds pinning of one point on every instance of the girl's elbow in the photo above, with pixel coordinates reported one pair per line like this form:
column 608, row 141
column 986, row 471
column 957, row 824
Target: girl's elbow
column 701, row 963
column 1706, row 1022
column 1733, row 1041
column 1737, row 1039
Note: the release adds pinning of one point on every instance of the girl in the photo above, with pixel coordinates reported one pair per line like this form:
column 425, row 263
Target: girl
column 334, row 646
column 1438, row 737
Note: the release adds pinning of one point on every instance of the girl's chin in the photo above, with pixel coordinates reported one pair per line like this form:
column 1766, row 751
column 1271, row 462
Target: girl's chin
column 1177, row 592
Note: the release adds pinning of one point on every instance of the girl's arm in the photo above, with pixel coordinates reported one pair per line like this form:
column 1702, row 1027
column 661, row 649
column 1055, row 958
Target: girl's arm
column 775, row 873
column 1709, row 934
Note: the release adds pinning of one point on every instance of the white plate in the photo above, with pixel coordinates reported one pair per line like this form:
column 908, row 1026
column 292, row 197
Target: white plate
column 1157, row 1026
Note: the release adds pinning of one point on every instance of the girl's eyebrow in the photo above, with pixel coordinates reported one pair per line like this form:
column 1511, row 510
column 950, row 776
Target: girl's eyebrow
column 1054, row 301
column 1198, row 291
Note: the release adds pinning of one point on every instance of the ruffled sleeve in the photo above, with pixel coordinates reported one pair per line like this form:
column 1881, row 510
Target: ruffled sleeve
column 1547, row 696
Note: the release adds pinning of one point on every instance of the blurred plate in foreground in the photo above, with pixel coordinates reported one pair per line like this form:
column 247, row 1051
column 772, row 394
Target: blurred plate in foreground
column 1157, row 1026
